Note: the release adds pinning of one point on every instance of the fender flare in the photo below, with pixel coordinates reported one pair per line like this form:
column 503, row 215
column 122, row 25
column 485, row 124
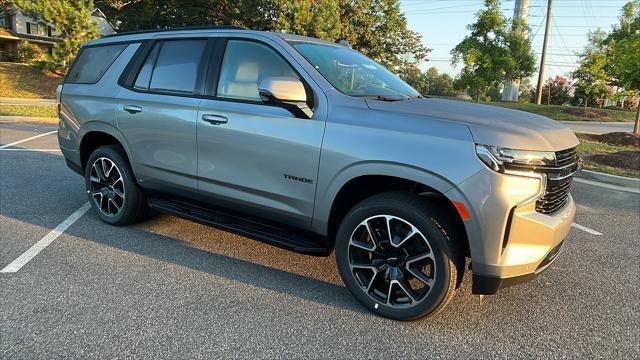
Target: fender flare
column 327, row 194
column 103, row 127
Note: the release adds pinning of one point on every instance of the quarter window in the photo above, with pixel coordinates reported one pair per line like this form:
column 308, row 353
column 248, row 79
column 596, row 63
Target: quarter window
column 245, row 64
column 92, row 63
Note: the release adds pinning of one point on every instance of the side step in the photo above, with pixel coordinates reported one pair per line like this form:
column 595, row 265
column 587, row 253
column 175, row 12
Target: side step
column 286, row 238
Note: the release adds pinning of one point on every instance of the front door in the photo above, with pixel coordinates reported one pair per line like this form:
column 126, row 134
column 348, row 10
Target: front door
column 254, row 157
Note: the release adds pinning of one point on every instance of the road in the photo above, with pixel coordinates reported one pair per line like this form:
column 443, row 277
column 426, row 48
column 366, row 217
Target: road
column 170, row 288
column 599, row 127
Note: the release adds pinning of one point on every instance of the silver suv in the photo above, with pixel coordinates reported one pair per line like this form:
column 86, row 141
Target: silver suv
column 313, row 147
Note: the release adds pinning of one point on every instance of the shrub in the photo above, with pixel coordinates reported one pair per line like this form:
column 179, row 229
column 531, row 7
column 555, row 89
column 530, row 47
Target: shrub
column 27, row 52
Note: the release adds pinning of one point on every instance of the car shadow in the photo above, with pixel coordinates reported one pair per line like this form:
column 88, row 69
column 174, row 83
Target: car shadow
column 151, row 243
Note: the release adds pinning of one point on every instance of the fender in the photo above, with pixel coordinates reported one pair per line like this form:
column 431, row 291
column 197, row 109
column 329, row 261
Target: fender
column 327, row 192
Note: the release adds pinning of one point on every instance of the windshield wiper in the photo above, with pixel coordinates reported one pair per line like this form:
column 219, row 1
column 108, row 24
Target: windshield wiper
column 379, row 97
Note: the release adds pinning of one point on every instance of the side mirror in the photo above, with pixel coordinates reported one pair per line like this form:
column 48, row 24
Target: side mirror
column 286, row 92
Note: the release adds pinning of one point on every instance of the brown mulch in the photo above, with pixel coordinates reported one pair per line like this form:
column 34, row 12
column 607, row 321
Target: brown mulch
column 620, row 159
column 616, row 138
column 583, row 112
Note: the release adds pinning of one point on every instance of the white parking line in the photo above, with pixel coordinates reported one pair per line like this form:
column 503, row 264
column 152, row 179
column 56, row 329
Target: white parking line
column 586, row 229
column 23, row 259
column 42, row 150
column 27, row 139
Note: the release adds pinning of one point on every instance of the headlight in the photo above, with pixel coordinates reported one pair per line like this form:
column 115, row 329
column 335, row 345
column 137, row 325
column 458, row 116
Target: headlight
column 499, row 158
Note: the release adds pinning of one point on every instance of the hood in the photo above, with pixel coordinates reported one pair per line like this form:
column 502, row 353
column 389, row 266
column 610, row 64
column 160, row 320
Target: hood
column 489, row 125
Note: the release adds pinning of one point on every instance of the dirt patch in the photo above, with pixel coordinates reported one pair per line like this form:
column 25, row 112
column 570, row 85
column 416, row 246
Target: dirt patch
column 585, row 113
column 616, row 139
column 620, row 159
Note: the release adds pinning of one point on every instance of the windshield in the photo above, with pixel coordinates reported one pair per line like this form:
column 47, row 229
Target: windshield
column 353, row 73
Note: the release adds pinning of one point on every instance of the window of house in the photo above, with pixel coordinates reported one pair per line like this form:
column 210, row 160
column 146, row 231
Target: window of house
column 245, row 64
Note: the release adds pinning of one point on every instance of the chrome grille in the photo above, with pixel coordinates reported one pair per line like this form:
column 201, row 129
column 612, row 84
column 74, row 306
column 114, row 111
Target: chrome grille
column 559, row 179
column 556, row 196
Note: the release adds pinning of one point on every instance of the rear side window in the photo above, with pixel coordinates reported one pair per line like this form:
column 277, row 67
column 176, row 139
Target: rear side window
column 172, row 66
column 92, row 63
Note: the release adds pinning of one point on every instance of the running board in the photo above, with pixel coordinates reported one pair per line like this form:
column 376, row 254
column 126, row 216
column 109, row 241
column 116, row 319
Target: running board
column 286, row 238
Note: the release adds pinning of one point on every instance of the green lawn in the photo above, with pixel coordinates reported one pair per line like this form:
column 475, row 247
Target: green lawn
column 28, row 110
column 592, row 147
column 570, row 113
column 562, row 113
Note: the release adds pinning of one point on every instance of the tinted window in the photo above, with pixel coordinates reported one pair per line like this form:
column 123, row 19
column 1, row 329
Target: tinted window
column 142, row 81
column 245, row 64
column 92, row 63
column 176, row 68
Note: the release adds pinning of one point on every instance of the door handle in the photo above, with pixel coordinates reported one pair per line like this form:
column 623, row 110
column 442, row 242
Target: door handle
column 214, row 119
column 132, row 109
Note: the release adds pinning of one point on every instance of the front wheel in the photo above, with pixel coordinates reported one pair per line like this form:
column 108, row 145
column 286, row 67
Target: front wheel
column 395, row 258
column 111, row 187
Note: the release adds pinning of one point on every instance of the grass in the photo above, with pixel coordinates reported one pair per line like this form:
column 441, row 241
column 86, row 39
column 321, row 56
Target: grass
column 593, row 147
column 28, row 110
column 24, row 81
column 571, row 113
column 563, row 113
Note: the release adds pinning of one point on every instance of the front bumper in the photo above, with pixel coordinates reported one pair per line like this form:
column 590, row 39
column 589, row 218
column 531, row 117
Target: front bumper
column 489, row 285
column 509, row 241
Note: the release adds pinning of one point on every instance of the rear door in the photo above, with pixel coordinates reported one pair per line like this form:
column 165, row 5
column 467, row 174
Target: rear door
column 251, row 156
column 157, row 111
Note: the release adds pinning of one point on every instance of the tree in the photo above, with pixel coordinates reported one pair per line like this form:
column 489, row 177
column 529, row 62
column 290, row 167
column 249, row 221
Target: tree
column 430, row 82
column 556, row 91
column 623, row 65
column 377, row 28
column 591, row 76
column 495, row 50
column 311, row 18
column 71, row 18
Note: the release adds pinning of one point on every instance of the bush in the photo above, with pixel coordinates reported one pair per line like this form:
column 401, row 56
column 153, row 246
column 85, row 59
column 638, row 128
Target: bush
column 27, row 52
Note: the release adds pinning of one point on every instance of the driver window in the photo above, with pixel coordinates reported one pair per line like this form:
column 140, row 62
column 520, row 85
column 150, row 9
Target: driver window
column 244, row 65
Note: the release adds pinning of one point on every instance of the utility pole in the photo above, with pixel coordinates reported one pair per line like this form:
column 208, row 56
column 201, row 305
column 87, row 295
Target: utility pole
column 543, row 58
column 511, row 89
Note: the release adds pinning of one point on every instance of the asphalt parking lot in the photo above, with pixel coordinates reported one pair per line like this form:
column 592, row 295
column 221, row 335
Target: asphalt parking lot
column 169, row 288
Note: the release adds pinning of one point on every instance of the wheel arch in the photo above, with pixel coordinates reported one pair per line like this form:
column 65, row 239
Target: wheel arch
column 96, row 134
column 364, row 180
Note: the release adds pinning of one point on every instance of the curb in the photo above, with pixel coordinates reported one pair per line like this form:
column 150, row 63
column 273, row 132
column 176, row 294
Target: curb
column 609, row 179
column 31, row 119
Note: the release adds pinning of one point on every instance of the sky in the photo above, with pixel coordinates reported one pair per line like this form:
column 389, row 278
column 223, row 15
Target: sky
column 442, row 24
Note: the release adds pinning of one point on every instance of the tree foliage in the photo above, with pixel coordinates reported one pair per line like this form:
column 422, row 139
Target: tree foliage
column 623, row 43
column 377, row 28
column 71, row 18
column 496, row 49
column 430, row 82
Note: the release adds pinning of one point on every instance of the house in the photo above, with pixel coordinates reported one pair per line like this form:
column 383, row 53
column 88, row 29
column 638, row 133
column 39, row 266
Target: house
column 16, row 26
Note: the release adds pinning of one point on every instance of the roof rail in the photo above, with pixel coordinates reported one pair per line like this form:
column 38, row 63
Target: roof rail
column 210, row 27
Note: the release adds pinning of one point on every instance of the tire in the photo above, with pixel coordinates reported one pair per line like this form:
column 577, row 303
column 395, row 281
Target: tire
column 113, row 194
column 420, row 263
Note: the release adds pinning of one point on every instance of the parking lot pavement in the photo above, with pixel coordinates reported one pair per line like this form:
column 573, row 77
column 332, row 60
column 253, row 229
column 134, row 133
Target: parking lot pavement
column 171, row 288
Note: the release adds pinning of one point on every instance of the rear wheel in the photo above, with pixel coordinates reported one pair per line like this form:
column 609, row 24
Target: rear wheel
column 113, row 193
column 395, row 257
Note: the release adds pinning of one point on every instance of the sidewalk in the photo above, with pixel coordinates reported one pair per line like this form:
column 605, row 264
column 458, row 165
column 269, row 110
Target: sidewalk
column 23, row 101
